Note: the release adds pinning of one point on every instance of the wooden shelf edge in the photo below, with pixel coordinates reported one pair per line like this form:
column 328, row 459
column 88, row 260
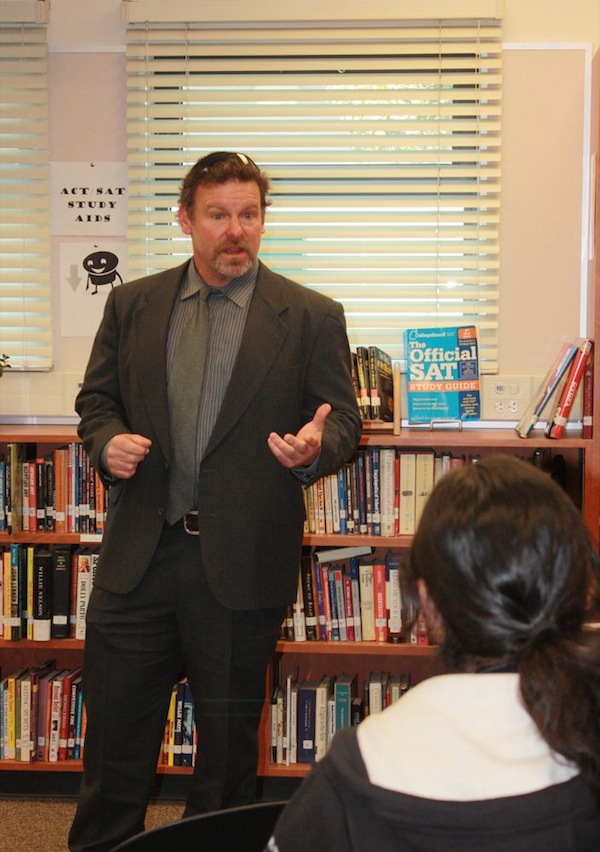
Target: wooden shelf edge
column 50, row 645
column 74, row 766
column 371, row 649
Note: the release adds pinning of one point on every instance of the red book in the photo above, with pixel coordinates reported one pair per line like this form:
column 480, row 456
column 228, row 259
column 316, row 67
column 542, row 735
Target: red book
column 556, row 426
column 588, row 399
column 65, row 713
column 326, row 601
column 381, row 621
column 349, row 606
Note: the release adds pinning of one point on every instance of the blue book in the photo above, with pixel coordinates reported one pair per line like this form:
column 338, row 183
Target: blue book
column 442, row 374
column 375, row 489
column 307, row 721
column 2, row 494
column 333, row 602
column 341, row 478
column 187, row 726
column 344, row 690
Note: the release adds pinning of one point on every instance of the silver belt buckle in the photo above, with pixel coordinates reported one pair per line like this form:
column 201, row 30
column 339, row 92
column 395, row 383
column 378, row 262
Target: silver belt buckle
column 185, row 522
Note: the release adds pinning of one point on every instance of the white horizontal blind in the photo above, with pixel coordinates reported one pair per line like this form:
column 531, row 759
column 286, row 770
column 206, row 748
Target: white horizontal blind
column 382, row 144
column 25, row 323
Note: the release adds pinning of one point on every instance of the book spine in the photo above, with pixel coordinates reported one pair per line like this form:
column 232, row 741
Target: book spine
column 25, row 754
column 84, row 586
column 393, row 598
column 407, row 493
column 49, row 490
column 65, row 712
column 60, row 459
column 367, row 602
column 3, row 523
column 381, row 616
column 333, row 604
column 310, row 608
column 55, row 711
column 362, row 367
column 376, row 490
column 299, row 617
column 349, row 606
column 338, row 578
column 343, row 501
column 75, row 686
column 324, row 571
column 355, row 582
column 318, row 585
column 307, row 714
column 588, row 400
column 61, row 591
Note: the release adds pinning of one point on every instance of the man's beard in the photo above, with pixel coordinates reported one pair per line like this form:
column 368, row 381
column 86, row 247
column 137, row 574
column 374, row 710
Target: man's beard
column 229, row 266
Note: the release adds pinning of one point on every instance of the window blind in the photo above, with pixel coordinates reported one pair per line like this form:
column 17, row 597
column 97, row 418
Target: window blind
column 25, row 323
column 383, row 148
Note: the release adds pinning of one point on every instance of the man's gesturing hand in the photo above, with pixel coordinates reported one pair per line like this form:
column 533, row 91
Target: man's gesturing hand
column 124, row 452
column 302, row 449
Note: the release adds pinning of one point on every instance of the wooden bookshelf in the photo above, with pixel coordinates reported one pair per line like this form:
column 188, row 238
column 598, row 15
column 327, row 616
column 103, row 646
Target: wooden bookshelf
column 314, row 658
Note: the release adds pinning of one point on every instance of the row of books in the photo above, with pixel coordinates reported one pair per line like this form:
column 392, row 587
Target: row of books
column 306, row 713
column 381, row 492
column 43, row 718
column 44, row 591
column 352, row 600
column 59, row 493
column 372, row 377
column 42, row 714
column 571, row 368
column 180, row 740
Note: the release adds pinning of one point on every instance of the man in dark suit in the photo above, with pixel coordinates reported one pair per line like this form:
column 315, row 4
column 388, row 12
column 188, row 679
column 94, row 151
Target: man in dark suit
column 201, row 550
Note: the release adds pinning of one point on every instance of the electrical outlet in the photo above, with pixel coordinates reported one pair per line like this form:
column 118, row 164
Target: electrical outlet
column 504, row 397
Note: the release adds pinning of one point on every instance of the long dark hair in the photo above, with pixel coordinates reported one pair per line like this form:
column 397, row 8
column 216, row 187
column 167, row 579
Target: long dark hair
column 510, row 566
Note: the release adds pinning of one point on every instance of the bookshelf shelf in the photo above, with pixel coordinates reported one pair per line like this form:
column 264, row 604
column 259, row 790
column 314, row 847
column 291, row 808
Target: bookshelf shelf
column 355, row 649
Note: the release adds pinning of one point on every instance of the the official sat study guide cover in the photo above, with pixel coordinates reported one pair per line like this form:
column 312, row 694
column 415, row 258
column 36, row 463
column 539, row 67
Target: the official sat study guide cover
column 442, row 379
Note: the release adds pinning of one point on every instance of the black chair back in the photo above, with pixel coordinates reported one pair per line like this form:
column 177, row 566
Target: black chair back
column 243, row 829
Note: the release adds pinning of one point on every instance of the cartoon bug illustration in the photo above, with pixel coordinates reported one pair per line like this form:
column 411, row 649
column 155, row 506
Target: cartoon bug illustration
column 101, row 267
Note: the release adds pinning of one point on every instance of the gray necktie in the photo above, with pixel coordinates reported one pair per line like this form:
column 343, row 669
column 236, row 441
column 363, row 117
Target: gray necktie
column 185, row 388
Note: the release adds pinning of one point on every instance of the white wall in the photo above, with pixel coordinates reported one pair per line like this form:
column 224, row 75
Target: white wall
column 544, row 232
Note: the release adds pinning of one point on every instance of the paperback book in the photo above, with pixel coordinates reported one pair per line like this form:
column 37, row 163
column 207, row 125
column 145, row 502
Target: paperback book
column 443, row 380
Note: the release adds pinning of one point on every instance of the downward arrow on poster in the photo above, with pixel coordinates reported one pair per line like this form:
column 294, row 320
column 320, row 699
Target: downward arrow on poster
column 74, row 279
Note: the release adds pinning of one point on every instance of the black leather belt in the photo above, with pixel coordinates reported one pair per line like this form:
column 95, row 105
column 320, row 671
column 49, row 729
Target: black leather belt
column 189, row 522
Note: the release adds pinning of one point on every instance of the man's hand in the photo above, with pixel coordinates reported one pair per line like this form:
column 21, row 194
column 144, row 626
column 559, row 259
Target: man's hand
column 124, row 452
column 302, row 449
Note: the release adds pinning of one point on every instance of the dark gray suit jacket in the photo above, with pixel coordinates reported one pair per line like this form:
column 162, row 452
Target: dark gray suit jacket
column 294, row 356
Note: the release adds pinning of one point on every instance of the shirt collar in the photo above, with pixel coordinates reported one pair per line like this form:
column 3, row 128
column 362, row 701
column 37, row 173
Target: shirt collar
column 239, row 290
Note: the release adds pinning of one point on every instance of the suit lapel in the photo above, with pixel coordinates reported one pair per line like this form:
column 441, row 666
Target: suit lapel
column 264, row 334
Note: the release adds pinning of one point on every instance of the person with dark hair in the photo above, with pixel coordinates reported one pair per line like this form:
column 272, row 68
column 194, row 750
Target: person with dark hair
column 213, row 393
column 501, row 752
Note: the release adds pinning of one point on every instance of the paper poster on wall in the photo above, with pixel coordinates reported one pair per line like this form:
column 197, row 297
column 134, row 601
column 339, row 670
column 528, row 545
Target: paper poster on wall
column 88, row 272
column 88, row 199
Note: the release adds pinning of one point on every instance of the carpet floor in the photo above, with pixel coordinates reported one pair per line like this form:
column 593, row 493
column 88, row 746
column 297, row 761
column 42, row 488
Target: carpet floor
column 42, row 825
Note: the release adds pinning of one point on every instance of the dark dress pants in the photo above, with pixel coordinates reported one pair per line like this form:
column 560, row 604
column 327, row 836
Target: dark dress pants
column 137, row 645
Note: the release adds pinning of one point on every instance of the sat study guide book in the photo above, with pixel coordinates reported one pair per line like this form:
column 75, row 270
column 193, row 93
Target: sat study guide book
column 442, row 374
